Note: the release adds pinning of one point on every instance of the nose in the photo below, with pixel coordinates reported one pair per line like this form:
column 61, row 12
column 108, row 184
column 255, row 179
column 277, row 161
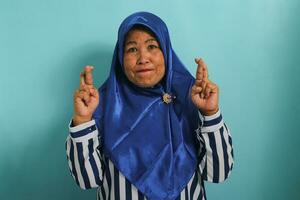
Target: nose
column 143, row 57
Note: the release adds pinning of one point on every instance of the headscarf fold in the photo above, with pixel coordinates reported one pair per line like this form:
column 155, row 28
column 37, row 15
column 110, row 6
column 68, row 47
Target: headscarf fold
column 153, row 144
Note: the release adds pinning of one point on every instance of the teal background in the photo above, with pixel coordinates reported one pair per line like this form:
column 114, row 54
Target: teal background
column 251, row 48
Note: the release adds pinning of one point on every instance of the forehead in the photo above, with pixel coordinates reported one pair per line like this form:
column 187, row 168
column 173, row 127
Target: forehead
column 139, row 32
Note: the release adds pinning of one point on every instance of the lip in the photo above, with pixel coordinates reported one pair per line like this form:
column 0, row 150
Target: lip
column 144, row 70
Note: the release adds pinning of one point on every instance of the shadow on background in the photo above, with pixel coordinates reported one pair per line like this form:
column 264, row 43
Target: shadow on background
column 281, row 159
column 40, row 171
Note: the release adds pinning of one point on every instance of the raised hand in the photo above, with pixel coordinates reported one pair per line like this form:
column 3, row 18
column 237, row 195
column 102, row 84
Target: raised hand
column 204, row 93
column 86, row 98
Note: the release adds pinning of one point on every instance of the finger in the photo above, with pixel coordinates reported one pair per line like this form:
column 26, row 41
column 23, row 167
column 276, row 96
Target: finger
column 82, row 95
column 203, row 86
column 86, row 87
column 94, row 92
column 205, row 72
column 76, row 93
column 85, row 96
column 198, row 83
column 211, row 88
column 204, row 68
column 214, row 87
column 88, row 71
column 82, row 81
column 78, row 101
column 78, row 97
column 199, row 73
column 196, row 90
column 207, row 91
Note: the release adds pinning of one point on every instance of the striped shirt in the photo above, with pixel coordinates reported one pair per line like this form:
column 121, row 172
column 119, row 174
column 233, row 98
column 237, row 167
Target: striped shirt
column 91, row 169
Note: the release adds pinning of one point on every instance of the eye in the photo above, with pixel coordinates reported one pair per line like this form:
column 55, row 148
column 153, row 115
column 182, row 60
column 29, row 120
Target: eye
column 153, row 46
column 131, row 50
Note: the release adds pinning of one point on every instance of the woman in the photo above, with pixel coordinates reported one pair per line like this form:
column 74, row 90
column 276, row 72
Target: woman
column 156, row 132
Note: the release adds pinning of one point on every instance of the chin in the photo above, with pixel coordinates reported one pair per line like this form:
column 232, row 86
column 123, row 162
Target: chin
column 144, row 85
column 143, row 82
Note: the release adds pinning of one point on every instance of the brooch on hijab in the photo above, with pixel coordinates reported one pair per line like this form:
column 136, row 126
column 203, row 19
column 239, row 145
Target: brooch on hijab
column 167, row 98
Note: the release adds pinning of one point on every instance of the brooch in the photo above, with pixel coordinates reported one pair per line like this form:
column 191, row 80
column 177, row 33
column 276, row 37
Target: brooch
column 167, row 98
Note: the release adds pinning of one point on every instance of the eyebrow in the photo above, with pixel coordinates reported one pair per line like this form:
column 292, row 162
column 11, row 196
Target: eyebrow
column 147, row 41
column 151, row 40
column 130, row 42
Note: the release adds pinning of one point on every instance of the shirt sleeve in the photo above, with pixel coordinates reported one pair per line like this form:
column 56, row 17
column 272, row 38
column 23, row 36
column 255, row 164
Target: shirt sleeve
column 216, row 150
column 83, row 155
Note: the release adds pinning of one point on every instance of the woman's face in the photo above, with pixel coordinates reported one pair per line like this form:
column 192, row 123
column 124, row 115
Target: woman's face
column 144, row 63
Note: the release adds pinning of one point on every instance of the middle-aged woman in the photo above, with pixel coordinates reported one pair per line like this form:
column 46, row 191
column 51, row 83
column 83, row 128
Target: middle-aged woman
column 151, row 131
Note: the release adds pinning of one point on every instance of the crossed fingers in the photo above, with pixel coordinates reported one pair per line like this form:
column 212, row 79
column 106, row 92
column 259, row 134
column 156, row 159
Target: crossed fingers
column 203, row 86
column 202, row 73
column 86, row 88
column 86, row 77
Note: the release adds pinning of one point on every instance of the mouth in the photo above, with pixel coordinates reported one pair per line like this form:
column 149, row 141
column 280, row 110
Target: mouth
column 144, row 71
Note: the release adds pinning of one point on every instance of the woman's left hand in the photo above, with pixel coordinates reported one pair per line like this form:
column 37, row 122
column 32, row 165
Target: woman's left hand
column 204, row 93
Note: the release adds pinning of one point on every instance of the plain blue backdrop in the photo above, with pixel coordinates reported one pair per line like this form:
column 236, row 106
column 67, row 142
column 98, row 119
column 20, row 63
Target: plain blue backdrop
column 251, row 48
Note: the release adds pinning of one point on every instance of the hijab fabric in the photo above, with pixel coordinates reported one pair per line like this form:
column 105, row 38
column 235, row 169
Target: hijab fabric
column 152, row 143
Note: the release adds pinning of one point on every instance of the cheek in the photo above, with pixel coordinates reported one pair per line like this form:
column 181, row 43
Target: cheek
column 161, row 66
column 161, row 72
column 128, row 72
column 128, row 65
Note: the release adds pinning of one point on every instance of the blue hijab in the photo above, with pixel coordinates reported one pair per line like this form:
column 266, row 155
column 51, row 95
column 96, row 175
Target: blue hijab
column 152, row 143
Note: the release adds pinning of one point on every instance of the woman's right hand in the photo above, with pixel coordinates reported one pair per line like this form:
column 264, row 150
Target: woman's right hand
column 86, row 98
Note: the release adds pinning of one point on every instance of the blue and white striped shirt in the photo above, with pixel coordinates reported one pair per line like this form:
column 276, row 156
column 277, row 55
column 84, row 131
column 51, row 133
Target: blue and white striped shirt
column 90, row 169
